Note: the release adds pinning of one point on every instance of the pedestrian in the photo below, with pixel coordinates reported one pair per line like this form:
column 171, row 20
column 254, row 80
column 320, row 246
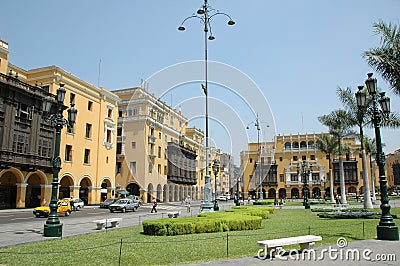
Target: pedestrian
column 188, row 204
column 154, row 204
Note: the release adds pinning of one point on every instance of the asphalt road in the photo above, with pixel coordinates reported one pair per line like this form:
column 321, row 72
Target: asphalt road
column 20, row 226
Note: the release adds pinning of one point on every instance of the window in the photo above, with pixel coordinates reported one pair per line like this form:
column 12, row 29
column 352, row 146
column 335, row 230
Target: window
column 312, row 157
column 119, row 131
column 295, row 145
column 44, row 147
column 282, row 178
column 159, row 169
column 159, row 135
column 251, row 160
column 86, row 158
column 132, row 167
column 24, row 111
column 118, row 167
column 303, row 158
column 90, row 106
column 119, row 148
column 280, row 159
column 150, row 167
column 288, row 146
column 165, row 170
column 108, row 136
column 311, row 144
column 68, row 153
column 20, row 142
column 295, row 158
column 159, row 154
column 88, row 133
column 315, row 177
column 303, row 145
column 109, row 113
column 294, row 177
column 72, row 98
column 71, row 128
column 133, row 145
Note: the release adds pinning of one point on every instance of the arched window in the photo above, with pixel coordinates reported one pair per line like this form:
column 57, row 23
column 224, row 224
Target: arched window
column 288, row 146
column 295, row 145
column 303, row 145
column 311, row 144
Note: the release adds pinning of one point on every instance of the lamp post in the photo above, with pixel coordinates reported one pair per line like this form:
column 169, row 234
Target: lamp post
column 205, row 15
column 237, row 202
column 53, row 227
column 258, row 164
column 215, row 168
column 305, row 168
column 387, row 229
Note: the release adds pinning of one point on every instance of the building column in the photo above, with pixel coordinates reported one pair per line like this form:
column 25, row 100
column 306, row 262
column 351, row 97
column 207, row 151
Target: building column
column 21, row 194
column 74, row 191
column 94, row 195
column 46, row 194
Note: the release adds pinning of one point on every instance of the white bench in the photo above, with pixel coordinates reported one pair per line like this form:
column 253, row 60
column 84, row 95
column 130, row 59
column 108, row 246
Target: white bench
column 274, row 246
column 173, row 214
column 112, row 222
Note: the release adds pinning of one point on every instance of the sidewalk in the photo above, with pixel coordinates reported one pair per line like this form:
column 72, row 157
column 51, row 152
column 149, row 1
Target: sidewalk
column 365, row 252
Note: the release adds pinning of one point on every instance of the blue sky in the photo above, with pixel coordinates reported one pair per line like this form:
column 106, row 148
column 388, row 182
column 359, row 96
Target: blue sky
column 297, row 52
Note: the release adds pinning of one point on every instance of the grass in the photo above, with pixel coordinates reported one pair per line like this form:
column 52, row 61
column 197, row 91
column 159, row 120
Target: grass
column 104, row 248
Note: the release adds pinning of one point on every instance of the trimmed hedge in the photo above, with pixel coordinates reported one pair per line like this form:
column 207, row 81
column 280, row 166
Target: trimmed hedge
column 235, row 219
column 263, row 202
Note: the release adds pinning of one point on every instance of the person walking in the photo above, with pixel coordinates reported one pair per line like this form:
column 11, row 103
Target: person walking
column 154, row 204
column 187, row 204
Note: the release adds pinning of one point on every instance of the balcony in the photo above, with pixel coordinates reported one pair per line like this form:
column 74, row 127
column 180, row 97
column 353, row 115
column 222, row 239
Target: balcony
column 152, row 139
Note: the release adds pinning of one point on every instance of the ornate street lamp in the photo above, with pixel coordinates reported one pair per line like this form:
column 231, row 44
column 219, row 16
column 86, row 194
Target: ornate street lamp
column 53, row 227
column 305, row 168
column 258, row 164
column 205, row 15
column 215, row 168
column 387, row 229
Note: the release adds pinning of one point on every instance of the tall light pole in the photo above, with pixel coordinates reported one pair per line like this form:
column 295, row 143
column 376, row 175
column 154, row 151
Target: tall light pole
column 387, row 229
column 205, row 15
column 257, row 125
column 53, row 227
column 215, row 168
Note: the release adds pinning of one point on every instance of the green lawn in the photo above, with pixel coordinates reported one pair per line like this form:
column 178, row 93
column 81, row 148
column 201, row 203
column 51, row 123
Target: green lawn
column 104, row 248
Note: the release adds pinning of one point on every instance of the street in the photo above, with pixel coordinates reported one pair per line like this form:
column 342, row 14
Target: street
column 20, row 226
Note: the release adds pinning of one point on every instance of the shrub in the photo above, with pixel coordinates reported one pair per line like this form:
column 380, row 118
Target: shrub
column 235, row 219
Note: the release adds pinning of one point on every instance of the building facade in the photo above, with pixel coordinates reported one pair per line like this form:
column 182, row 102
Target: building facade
column 158, row 156
column 276, row 165
column 87, row 149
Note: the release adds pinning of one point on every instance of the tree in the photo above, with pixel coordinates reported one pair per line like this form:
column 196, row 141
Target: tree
column 358, row 118
column 386, row 59
column 328, row 145
column 339, row 123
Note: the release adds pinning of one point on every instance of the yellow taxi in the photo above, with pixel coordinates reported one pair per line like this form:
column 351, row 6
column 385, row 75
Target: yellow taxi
column 64, row 208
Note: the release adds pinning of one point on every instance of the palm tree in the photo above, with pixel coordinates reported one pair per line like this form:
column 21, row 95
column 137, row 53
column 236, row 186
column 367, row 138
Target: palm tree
column 339, row 123
column 328, row 145
column 386, row 59
column 358, row 118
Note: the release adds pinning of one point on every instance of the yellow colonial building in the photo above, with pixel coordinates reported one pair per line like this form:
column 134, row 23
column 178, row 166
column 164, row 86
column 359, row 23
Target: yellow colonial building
column 276, row 163
column 87, row 150
column 158, row 156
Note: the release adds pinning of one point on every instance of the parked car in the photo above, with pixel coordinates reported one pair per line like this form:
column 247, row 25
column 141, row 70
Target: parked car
column 124, row 205
column 63, row 208
column 76, row 203
column 136, row 198
column 108, row 202
column 222, row 197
